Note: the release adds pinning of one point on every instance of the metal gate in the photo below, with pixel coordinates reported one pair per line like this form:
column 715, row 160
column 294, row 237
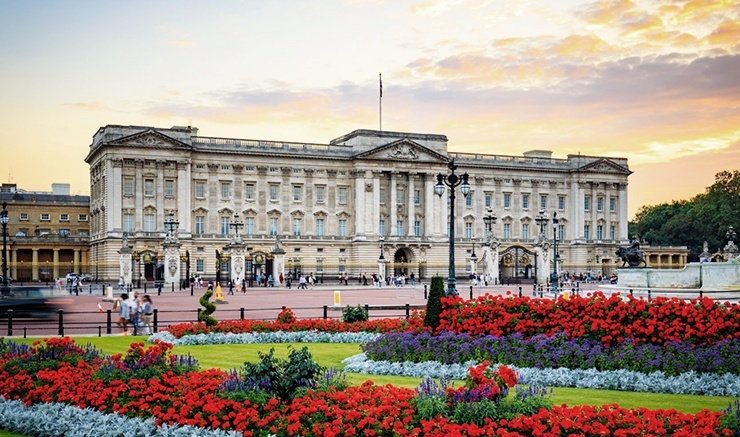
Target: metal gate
column 517, row 264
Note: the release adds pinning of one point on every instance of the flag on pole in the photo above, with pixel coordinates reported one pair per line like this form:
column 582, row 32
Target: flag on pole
column 380, row 78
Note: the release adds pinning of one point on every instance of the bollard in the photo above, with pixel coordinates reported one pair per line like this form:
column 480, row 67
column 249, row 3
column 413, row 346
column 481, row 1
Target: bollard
column 155, row 320
column 701, row 294
column 159, row 291
column 191, row 290
column 144, row 287
column 408, row 311
column 10, row 322
column 100, row 331
column 471, row 292
column 326, row 312
column 197, row 319
column 367, row 310
column 520, row 291
column 173, row 287
column 61, row 323
column 649, row 296
column 108, row 323
column 631, row 292
column 337, row 299
column 241, row 313
column 425, row 291
column 24, row 332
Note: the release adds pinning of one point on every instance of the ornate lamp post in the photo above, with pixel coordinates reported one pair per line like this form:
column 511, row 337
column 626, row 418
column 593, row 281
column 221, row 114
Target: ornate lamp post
column 236, row 224
column 452, row 181
column 170, row 225
column 541, row 220
column 489, row 219
column 4, row 221
column 381, row 260
column 473, row 258
column 554, row 277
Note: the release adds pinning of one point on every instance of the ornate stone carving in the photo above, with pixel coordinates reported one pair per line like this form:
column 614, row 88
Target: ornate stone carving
column 212, row 167
column 309, row 171
column 262, row 170
column 403, row 151
column 238, row 168
column 331, row 172
column 369, row 187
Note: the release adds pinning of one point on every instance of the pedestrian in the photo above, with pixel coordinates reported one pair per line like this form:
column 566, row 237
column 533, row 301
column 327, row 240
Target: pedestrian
column 121, row 284
column 270, row 281
column 287, row 281
column 147, row 312
column 231, row 287
column 302, row 282
column 121, row 304
column 280, row 278
column 134, row 305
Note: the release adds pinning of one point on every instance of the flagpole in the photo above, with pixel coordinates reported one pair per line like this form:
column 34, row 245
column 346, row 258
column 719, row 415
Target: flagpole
column 380, row 103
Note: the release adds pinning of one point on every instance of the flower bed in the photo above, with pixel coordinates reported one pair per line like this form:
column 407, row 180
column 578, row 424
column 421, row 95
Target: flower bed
column 610, row 320
column 153, row 383
column 559, row 350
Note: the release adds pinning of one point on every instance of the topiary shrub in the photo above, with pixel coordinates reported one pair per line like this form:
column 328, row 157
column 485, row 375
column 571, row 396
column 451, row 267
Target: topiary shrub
column 205, row 315
column 355, row 314
column 434, row 305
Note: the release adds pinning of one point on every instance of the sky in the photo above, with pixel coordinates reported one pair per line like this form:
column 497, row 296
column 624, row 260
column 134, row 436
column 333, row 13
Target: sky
column 653, row 81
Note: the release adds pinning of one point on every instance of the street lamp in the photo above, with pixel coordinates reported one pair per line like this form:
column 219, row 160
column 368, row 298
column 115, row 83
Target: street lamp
column 452, row 181
column 4, row 221
column 170, row 225
column 489, row 219
column 236, row 224
column 554, row 277
column 541, row 220
column 381, row 258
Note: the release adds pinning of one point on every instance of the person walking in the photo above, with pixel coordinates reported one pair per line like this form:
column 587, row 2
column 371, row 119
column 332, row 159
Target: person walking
column 147, row 312
column 134, row 305
column 231, row 287
column 121, row 304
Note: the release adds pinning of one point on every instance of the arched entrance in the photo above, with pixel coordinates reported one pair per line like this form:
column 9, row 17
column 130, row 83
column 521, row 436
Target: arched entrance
column 517, row 265
column 402, row 259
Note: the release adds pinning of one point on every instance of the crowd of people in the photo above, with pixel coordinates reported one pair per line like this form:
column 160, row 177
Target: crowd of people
column 135, row 310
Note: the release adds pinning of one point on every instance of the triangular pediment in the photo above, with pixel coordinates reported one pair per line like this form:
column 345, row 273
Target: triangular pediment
column 403, row 150
column 605, row 165
column 150, row 138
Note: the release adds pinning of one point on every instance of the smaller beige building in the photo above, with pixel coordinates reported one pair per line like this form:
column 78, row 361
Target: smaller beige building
column 48, row 233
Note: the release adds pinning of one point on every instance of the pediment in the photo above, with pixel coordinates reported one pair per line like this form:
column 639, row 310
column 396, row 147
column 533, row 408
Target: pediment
column 605, row 165
column 403, row 150
column 150, row 138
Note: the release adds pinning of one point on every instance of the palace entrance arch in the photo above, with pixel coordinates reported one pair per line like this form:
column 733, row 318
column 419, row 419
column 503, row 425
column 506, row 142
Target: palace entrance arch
column 517, row 264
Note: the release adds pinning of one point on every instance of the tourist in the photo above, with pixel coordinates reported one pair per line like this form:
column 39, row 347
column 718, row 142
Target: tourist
column 121, row 304
column 147, row 312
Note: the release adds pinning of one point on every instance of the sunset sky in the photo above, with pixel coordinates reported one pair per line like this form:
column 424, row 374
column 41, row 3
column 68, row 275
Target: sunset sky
column 655, row 81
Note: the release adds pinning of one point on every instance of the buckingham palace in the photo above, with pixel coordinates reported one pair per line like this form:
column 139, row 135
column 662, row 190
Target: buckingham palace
column 363, row 203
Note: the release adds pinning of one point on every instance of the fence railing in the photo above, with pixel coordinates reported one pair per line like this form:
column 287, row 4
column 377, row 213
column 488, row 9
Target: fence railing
column 97, row 323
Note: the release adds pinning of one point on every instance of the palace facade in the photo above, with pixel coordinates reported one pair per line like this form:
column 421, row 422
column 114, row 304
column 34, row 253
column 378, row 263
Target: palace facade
column 336, row 207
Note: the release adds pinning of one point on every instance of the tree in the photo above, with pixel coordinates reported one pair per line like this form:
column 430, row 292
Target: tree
column 434, row 303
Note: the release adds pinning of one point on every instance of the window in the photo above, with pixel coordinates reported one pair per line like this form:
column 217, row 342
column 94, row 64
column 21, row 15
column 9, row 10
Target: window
column 381, row 196
column 225, row 190
column 320, row 227
column 169, row 187
column 45, row 217
column 469, row 200
column 225, row 221
column 249, row 226
column 399, row 227
column 200, row 224
column 417, row 197
column 225, row 268
column 507, row 230
column 200, row 189
column 381, row 227
column 274, row 192
column 586, row 203
column 24, row 216
column 199, row 263
column 417, row 228
column 342, row 227
column 507, row 200
column 488, row 197
column 297, row 191
column 399, row 197
column 612, row 204
column 82, row 218
column 320, row 194
column 587, row 232
column 82, row 233
column 297, row 226
column 543, row 202
column 561, row 232
column 128, row 223
column 128, row 186
column 342, row 194
column 149, row 187
column 561, row 203
column 525, row 231
column 468, row 230
column 600, row 232
column 273, row 225
column 525, row 201
column 149, row 223
column 63, row 217
column 249, row 191
column 319, row 266
column 599, row 204
column 612, row 233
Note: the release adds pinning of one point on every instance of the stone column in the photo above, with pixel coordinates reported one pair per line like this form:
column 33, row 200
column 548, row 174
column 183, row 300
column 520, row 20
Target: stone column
column 171, row 262
column 278, row 260
column 35, row 265
column 237, row 252
column 359, row 209
column 124, row 262
column 411, row 216
column 622, row 199
column 139, row 192
column 393, row 209
column 375, row 207
column 55, row 259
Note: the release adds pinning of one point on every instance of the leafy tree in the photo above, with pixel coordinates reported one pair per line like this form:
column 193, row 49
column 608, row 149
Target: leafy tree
column 706, row 217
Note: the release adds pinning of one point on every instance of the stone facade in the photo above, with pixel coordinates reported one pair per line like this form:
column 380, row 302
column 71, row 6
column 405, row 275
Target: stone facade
column 331, row 203
column 48, row 234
